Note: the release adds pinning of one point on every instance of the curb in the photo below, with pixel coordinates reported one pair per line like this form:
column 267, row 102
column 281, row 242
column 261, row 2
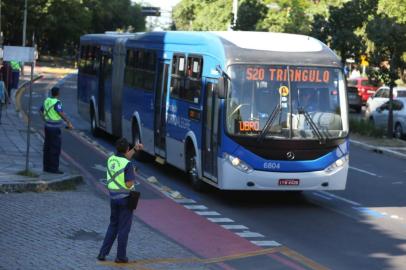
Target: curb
column 64, row 183
column 378, row 149
column 67, row 182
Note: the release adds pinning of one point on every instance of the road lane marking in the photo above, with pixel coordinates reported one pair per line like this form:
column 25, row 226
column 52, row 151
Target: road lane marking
column 369, row 212
column 220, row 220
column 397, row 183
column 181, row 201
column 248, row 234
column 141, row 264
column 362, row 171
column 99, row 167
column 322, row 196
column 207, row 213
column 196, row 207
column 266, row 243
column 234, row 227
column 339, row 198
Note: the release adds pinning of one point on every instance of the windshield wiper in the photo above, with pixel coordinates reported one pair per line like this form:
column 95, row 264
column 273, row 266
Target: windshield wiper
column 312, row 124
column 269, row 122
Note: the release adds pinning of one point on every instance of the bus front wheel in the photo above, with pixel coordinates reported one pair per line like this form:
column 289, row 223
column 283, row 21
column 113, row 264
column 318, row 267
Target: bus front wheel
column 193, row 175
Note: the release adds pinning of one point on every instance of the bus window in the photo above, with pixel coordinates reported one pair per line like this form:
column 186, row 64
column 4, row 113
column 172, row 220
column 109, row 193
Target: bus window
column 178, row 76
column 193, row 83
column 140, row 69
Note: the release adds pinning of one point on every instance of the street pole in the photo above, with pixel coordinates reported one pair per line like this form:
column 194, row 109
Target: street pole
column 24, row 31
column 235, row 12
column 27, row 156
column 25, row 24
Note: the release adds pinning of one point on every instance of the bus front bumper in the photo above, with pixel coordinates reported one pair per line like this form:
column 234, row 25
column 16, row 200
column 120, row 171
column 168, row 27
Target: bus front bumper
column 230, row 178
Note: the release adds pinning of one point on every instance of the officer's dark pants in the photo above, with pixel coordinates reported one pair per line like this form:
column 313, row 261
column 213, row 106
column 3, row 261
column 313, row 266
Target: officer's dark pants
column 15, row 74
column 52, row 149
column 120, row 224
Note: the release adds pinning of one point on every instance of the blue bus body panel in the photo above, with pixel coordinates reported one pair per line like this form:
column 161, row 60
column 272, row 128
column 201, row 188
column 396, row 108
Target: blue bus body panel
column 257, row 162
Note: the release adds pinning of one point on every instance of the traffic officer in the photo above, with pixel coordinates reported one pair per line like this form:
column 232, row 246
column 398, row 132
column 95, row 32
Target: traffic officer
column 120, row 181
column 53, row 116
column 15, row 73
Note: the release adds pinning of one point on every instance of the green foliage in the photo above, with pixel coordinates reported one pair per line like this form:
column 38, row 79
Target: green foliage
column 365, row 127
column 58, row 24
column 289, row 16
column 203, row 15
column 394, row 9
column 249, row 13
column 389, row 39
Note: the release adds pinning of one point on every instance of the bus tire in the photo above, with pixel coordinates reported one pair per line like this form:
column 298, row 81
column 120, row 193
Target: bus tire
column 94, row 129
column 138, row 155
column 191, row 166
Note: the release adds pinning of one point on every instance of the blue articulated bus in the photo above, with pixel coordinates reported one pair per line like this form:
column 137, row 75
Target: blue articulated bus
column 237, row 110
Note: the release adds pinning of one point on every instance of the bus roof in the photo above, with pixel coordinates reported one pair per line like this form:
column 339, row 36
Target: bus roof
column 238, row 47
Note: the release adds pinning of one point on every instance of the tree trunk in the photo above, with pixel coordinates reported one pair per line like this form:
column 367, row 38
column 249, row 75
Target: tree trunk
column 390, row 115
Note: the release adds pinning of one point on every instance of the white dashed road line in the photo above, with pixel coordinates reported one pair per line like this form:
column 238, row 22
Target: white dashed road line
column 362, row 171
column 248, row 234
column 196, row 207
column 234, row 227
column 266, row 243
column 207, row 213
column 221, row 220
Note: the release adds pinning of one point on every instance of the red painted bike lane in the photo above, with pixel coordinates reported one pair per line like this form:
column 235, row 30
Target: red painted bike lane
column 206, row 239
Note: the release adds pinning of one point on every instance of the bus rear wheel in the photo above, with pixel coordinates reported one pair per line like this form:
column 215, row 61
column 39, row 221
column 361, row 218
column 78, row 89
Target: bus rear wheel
column 93, row 124
column 138, row 155
column 192, row 172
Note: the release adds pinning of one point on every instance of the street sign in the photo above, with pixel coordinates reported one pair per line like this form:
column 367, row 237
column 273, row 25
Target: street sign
column 20, row 54
column 364, row 61
column 151, row 11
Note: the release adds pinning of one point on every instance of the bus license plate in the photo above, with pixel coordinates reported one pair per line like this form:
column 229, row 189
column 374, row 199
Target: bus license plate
column 289, row 182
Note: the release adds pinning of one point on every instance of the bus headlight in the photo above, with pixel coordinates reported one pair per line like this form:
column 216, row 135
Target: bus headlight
column 337, row 164
column 238, row 163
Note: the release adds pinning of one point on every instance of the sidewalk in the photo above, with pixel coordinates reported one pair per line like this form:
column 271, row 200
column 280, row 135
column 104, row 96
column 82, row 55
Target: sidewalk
column 13, row 146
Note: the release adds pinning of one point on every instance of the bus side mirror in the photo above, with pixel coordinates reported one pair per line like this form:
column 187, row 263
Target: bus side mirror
column 222, row 86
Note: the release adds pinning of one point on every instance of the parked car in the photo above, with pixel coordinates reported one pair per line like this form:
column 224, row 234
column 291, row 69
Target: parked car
column 381, row 96
column 354, row 100
column 380, row 117
column 365, row 88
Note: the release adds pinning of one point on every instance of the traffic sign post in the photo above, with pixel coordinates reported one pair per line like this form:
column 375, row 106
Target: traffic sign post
column 27, row 55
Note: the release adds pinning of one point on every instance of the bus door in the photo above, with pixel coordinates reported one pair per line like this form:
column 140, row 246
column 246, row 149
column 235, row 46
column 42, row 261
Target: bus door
column 210, row 130
column 160, row 108
column 105, row 60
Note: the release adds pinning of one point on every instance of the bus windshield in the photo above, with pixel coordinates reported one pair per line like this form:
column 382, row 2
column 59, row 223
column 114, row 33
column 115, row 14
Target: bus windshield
column 286, row 102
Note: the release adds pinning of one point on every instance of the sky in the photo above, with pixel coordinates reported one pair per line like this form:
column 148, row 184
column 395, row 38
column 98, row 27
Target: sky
column 166, row 8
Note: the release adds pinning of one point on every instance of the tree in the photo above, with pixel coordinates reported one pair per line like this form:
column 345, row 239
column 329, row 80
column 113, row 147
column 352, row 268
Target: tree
column 203, row 15
column 250, row 12
column 287, row 16
column 342, row 30
column 389, row 38
column 57, row 25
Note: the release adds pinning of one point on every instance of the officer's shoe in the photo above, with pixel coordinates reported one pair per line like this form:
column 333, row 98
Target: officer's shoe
column 101, row 257
column 124, row 260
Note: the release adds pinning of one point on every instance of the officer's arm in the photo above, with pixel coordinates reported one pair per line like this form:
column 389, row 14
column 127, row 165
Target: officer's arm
column 41, row 110
column 69, row 123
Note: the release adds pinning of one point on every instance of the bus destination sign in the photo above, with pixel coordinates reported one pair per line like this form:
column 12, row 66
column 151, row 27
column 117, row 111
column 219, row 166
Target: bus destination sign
column 312, row 75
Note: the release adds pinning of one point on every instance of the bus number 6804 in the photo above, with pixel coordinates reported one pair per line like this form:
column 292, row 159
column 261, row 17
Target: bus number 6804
column 272, row 165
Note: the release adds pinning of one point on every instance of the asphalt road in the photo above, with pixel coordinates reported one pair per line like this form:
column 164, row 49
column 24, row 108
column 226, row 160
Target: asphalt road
column 363, row 227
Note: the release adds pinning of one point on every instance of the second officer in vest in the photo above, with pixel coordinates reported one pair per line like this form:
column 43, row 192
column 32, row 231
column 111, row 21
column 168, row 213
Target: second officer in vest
column 53, row 116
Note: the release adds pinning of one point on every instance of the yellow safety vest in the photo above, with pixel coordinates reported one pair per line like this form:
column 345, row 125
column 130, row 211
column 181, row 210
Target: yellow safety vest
column 15, row 65
column 115, row 174
column 49, row 111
